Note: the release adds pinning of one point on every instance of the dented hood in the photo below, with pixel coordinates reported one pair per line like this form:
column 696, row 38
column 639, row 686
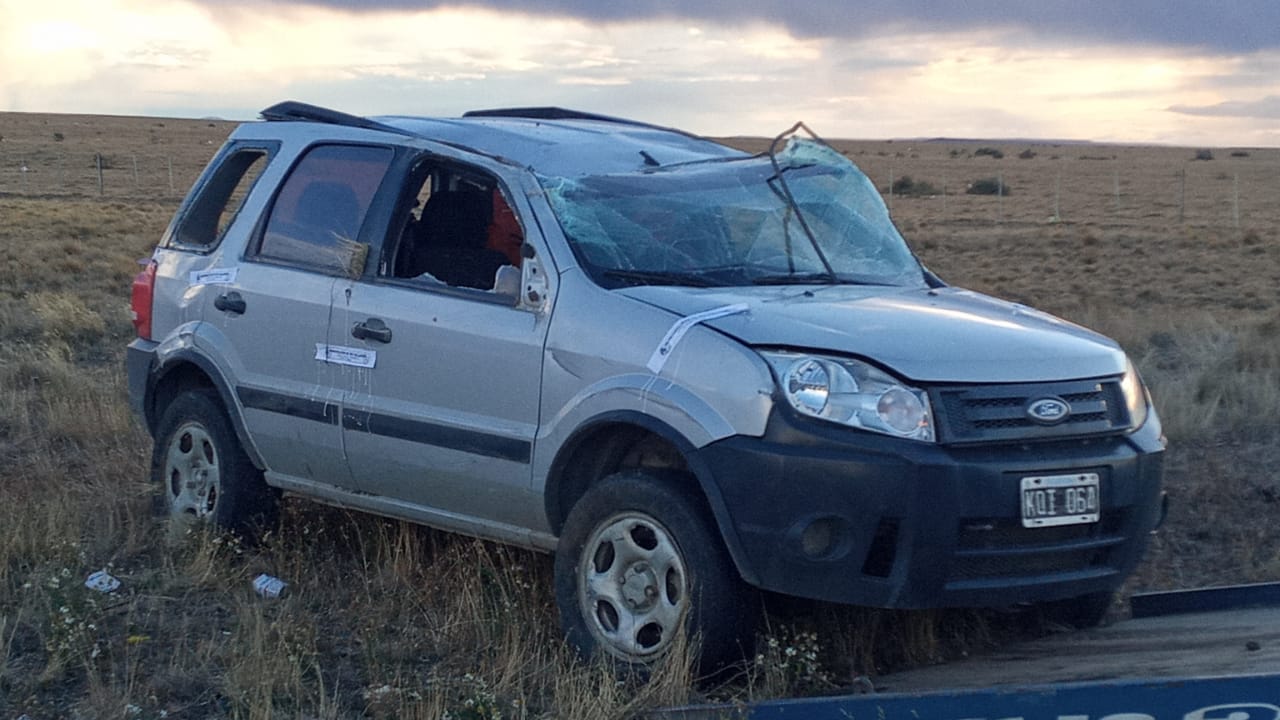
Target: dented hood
column 944, row 335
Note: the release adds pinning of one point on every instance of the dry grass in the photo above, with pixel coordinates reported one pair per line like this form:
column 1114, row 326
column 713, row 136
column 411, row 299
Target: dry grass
column 383, row 619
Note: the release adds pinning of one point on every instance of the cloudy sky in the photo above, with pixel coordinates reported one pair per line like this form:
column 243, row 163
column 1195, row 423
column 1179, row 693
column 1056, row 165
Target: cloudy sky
column 1190, row 72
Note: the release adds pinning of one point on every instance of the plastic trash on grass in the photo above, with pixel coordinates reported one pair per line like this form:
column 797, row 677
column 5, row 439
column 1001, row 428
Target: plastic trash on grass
column 102, row 581
column 268, row 586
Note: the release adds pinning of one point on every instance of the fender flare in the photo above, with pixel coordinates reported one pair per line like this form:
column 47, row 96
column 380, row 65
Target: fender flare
column 189, row 356
column 693, row 459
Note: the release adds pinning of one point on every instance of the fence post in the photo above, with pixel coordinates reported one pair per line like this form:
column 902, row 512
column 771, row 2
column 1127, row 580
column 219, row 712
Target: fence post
column 1235, row 200
column 1182, row 200
column 890, row 187
column 1000, row 198
column 1057, row 196
column 1117, row 189
column 97, row 160
column 135, row 171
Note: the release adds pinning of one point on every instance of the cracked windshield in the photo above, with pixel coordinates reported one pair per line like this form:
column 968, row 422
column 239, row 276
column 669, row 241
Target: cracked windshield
column 811, row 218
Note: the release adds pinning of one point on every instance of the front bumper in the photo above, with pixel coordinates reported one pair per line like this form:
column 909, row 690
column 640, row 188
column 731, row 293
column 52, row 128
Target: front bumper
column 825, row 512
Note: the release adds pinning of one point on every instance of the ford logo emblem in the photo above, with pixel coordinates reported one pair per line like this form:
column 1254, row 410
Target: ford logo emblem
column 1048, row 411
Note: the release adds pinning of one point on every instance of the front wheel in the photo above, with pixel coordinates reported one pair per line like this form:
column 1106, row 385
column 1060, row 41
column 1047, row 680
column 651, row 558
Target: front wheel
column 203, row 474
column 638, row 564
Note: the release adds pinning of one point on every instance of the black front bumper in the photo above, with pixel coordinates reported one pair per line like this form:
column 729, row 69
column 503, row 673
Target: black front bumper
column 825, row 512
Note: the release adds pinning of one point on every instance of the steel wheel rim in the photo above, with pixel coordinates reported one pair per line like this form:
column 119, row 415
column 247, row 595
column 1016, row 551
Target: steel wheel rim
column 634, row 587
column 192, row 473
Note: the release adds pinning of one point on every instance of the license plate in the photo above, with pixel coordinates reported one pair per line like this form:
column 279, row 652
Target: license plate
column 1060, row 500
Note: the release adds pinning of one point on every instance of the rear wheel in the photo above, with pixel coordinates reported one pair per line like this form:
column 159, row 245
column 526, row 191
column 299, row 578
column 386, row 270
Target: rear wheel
column 203, row 473
column 638, row 564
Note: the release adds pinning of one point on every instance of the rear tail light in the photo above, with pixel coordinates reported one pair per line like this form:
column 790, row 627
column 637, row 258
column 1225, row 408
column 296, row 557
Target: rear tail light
column 144, row 285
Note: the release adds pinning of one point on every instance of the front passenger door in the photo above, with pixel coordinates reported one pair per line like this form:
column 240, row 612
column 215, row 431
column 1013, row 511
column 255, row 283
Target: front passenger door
column 443, row 422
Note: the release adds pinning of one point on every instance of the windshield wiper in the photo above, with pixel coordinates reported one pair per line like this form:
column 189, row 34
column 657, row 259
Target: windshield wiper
column 815, row 278
column 661, row 277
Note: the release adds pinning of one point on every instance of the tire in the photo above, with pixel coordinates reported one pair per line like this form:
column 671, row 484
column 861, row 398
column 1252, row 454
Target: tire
column 204, row 475
column 1081, row 613
column 637, row 563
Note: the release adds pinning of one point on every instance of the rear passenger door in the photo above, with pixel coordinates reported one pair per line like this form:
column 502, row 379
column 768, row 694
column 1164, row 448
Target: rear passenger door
column 443, row 422
column 275, row 309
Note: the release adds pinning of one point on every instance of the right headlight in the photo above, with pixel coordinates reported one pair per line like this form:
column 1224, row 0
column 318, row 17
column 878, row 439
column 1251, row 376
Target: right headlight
column 853, row 393
column 1135, row 396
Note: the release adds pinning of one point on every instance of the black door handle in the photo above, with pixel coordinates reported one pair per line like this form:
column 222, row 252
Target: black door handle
column 372, row 329
column 230, row 303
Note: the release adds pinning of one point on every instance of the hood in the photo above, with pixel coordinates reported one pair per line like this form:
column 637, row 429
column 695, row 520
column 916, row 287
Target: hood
column 947, row 335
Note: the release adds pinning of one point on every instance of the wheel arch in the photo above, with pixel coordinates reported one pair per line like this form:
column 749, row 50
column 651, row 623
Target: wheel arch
column 625, row 439
column 187, row 369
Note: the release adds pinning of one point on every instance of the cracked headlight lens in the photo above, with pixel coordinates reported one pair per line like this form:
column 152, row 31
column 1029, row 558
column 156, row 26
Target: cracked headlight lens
column 853, row 393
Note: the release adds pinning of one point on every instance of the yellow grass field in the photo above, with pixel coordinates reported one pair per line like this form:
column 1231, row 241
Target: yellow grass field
column 1177, row 258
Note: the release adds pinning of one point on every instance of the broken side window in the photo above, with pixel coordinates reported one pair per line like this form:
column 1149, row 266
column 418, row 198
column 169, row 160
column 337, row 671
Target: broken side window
column 457, row 229
column 316, row 217
column 218, row 202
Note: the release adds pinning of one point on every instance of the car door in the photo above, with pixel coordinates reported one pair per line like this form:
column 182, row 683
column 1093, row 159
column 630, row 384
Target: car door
column 275, row 310
column 443, row 417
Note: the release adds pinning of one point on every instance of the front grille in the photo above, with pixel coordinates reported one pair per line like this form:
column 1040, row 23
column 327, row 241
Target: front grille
column 1011, row 566
column 1002, row 548
column 1009, row 534
column 995, row 413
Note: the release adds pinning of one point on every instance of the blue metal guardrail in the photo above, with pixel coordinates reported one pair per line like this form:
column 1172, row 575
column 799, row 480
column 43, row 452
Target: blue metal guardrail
column 1238, row 697
column 1211, row 599
column 1252, row 697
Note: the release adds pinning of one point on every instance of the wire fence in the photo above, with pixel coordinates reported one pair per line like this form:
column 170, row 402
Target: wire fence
column 1157, row 188
column 99, row 174
column 936, row 184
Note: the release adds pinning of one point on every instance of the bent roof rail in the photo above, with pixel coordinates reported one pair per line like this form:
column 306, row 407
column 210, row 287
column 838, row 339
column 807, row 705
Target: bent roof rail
column 558, row 113
column 292, row 110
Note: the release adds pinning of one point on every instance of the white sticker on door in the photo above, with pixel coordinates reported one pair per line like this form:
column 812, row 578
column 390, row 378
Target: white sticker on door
column 342, row 355
column 213, row 276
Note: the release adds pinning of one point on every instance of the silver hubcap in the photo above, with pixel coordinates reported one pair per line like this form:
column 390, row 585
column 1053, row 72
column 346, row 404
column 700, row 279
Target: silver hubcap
column 635, row 590
column 193, row 476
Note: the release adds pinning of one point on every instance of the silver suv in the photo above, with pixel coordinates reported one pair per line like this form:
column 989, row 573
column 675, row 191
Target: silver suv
column 687, row 371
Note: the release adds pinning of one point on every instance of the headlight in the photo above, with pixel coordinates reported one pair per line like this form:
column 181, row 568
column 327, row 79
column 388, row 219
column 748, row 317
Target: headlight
column 851, row 392
column 1135, row 396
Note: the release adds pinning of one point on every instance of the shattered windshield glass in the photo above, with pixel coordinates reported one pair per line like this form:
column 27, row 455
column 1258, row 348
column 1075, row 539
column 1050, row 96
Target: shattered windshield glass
column 729, row 222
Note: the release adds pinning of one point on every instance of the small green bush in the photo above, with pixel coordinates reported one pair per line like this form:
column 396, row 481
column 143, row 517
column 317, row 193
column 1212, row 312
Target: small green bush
column 988, row 186
column 913, row 188
column 988, row 151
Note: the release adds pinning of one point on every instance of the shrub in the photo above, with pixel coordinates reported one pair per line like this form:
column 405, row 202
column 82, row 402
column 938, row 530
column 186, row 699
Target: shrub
column 988, row 151
column 1239, row 153
column 1203, row 155
column 914, row 188
column 1026, row 154
column 988, row 186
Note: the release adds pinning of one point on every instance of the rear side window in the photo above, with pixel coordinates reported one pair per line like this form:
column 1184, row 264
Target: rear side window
column 316, row 218
column 220, row 199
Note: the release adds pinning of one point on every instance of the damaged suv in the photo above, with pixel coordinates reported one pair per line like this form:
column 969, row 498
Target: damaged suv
column 688, row 371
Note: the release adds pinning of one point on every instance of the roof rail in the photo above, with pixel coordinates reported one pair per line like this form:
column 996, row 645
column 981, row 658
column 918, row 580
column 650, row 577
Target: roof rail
column 556, row 113
column 292, row 110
